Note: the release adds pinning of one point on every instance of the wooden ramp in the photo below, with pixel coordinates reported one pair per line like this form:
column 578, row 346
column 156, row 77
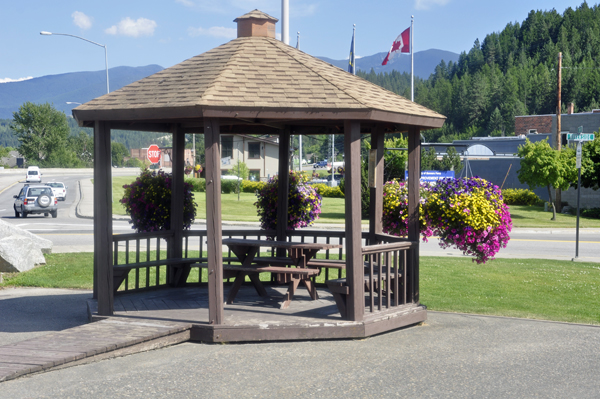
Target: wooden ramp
column 87, row 343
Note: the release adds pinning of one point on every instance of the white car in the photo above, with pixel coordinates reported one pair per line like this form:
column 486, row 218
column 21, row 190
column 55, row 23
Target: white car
column 34, row 175
column 59, row 190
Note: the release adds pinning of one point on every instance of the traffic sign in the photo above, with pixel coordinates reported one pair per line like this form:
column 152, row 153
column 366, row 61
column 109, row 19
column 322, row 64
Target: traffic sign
column 581, row 137
column 153, row 153
column 578, row 156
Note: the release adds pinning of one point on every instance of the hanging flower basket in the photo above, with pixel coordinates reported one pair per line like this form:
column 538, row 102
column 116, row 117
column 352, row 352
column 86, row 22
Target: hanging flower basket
column 304, row 205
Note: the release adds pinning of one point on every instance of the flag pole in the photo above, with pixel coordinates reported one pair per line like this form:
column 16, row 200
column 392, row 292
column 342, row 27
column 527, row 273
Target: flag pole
column 412, row 59
column 354, row 49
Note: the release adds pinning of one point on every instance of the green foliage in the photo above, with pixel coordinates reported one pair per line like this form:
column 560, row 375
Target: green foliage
column 395, row 160
column 519, row 196
column 543, row 166
column 593, row 213
column 229, row 186
column 43, row 133
column 590, row 164
column 329, row 192
column 252, row 186
column 134, row 163
column 240, row 169
column 118, row 153
column 198, row 184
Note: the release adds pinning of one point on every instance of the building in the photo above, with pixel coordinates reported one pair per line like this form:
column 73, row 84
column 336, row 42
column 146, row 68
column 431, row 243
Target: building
column 571, row 122
column 588, row 122
column 260, row 154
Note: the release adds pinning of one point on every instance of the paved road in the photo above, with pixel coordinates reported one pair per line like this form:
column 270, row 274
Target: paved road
column 449, row 356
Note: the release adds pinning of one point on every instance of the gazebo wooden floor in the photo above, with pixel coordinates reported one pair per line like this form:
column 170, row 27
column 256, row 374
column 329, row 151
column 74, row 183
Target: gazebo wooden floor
column 255, row 318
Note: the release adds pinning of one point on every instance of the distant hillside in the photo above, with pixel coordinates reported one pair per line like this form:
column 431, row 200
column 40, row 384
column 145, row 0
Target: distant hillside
column 425, row 62
column 77, row 87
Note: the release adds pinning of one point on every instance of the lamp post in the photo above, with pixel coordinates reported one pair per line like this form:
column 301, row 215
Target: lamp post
column 89, row 41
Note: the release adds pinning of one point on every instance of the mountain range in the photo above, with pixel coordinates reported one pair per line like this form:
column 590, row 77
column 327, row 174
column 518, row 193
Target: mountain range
column 80, row 87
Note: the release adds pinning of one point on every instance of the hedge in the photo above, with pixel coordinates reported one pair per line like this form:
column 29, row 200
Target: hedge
column 519, row 196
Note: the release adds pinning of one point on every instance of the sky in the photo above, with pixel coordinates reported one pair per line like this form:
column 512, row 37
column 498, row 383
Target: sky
column 167, row 32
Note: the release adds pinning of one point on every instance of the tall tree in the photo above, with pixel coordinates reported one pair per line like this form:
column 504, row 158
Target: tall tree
column 541, row 166
column 42, row 131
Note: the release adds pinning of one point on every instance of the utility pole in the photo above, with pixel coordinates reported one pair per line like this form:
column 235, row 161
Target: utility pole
column 558, row 195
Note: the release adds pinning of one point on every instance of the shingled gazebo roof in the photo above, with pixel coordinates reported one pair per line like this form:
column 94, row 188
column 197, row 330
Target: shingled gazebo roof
column 255, row 77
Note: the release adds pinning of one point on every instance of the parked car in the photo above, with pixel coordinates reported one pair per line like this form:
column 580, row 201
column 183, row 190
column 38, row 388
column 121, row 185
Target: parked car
column 35, row 199
column 34, row 175
column 58, row 189
column 320, row 164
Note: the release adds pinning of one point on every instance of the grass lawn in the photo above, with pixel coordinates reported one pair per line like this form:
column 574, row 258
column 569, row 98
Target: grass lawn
column 534, row 216
column 533, row 288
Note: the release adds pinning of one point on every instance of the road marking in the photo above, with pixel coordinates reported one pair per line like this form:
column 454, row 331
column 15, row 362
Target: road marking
column 523, row 239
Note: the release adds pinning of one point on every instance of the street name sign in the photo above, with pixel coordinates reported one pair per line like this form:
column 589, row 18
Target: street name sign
column 581, row 136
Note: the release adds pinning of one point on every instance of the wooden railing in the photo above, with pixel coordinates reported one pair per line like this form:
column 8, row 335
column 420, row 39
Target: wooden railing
column 142, row 261
column 387, row 274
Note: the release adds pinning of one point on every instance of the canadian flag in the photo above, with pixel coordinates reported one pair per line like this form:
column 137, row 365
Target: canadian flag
column 400, row 45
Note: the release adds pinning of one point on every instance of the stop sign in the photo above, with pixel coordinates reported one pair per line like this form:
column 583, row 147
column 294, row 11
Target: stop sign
column 153, row 153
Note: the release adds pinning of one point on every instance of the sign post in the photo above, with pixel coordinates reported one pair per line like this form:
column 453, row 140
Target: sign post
column 578, row 198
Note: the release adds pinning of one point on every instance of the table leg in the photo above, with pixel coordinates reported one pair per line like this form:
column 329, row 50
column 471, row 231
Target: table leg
column 290, row 293
column 312, row 290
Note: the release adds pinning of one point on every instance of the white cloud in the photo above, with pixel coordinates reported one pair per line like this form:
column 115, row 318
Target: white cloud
column 129, row 27
column 215, row 31
column 81, row 20
column 8, row 80
column 427, row 4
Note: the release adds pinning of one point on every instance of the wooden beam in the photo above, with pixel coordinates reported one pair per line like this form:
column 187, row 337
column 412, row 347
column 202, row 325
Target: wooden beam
column 177, row 195
column 284, row 183
column 354, row 262
column 103, row 261
column 376, row 204
column 213, row 220
column 414, row 233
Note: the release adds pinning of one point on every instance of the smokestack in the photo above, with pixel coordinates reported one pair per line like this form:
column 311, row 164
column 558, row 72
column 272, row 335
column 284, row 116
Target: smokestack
column 285, row 19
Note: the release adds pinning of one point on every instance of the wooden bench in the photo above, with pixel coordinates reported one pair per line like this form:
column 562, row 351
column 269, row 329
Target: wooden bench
column 181, row 270
column 340, row 289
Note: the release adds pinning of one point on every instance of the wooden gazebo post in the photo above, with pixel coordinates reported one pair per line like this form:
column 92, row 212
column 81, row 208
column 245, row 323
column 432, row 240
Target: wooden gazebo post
column 103, row 250
column 214, row 233
column 354, row 262
column 177, row 196
column 376, row 204
column 414, row 195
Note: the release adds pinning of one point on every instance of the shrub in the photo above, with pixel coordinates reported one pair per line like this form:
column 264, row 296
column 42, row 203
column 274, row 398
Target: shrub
column 148, row 201
column 229, row 186
column 252, row 186
column 304, row 204
column 591, row 213
column 330, row 192
column 518, row 196
column 134, row 163
column 198, row 184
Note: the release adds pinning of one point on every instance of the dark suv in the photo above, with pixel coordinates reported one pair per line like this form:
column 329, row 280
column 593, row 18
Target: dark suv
column 320, row 164
column 35, row 199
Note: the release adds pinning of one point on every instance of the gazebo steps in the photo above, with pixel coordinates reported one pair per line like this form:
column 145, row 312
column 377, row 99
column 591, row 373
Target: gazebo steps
column 104, row 339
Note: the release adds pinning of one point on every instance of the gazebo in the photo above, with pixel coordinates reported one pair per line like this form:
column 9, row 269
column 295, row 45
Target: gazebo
column 256, row 84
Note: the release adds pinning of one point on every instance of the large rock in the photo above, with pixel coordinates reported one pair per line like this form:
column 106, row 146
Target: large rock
column 21, row 250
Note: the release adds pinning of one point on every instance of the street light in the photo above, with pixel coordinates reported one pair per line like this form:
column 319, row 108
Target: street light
column 89, row 41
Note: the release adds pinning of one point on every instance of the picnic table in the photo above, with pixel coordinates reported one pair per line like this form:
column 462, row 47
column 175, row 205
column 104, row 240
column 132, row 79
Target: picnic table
column 295, row 265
